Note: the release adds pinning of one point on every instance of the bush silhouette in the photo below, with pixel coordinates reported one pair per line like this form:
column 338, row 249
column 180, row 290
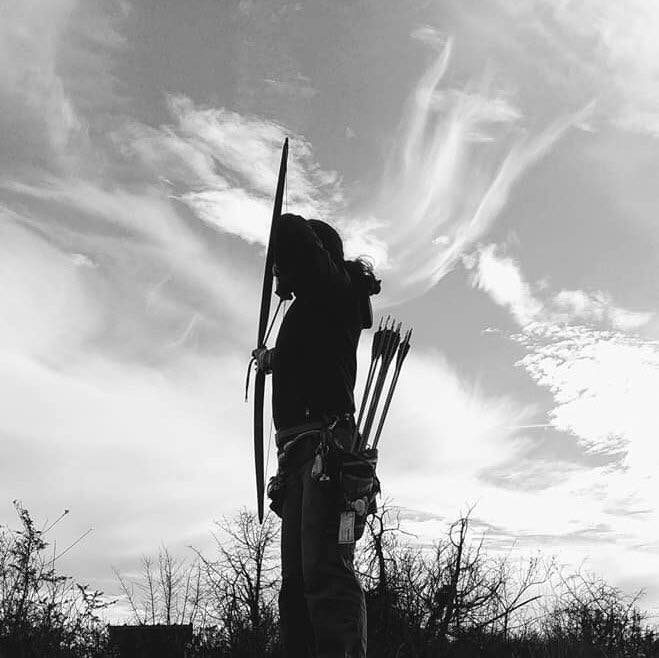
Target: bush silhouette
column 43, row 613
column 449, row 599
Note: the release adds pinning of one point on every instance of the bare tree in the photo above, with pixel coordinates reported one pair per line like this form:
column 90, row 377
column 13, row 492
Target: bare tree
column 241, row 583
column 423, row 598
column 168, row 590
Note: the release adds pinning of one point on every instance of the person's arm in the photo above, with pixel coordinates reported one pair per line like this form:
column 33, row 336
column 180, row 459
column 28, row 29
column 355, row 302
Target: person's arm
column 302, row 260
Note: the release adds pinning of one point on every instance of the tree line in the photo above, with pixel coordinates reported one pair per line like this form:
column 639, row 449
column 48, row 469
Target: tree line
column 448, row 599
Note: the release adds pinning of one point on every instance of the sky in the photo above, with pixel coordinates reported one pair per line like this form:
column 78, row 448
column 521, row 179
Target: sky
column 497, row 163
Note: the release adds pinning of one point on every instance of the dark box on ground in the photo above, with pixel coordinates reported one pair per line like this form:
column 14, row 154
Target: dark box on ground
column 158, row 641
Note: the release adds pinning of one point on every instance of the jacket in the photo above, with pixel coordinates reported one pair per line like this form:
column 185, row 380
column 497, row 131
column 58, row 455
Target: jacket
column 315, row 361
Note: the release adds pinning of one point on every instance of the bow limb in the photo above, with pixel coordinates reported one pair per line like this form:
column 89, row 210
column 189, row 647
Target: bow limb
column 266, row 295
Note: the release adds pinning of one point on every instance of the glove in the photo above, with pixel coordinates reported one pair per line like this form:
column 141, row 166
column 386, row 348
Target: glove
column 263, row 357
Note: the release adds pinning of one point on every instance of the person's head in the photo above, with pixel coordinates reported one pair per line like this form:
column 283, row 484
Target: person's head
column 360, row 270
column 329, row 237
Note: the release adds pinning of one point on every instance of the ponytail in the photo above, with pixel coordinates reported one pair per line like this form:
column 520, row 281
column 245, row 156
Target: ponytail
column 362, row 276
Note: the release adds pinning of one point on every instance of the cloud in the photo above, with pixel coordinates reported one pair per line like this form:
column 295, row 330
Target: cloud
column 298, row 86
column 108, row 394
column 457, row 156
column 610, row 48
column 116, row 376
column 501, row 278
column 119, row 444
column 32, row 92
column 46, row 309
column 599, row 307
column 163, row 154
column 430, row 36
column 456, row 431
column 137, row 240
column 602, row 380
column 458, row 153
column 54, row 59
column 226, row 167
column 602, row 383
column 127, row 362
column 471, row 449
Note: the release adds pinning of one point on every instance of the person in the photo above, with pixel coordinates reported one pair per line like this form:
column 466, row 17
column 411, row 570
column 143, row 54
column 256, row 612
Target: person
column 314, row 364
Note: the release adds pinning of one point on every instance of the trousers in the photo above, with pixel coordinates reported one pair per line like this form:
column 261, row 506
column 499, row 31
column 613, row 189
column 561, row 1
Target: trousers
column 321, row 603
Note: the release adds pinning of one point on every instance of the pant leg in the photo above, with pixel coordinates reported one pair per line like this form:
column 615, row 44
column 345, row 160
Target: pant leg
column 296, row 631
column 334, row 596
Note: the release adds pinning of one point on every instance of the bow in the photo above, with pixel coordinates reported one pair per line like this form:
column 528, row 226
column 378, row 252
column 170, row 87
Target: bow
column 263, row 332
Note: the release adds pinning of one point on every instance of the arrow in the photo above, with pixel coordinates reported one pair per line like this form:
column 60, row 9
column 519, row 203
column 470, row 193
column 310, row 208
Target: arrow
column 391, row 341
column 403, row 349
column 376, row 352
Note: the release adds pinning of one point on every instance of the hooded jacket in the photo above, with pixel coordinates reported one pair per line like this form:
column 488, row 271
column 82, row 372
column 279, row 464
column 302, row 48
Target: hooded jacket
column 315, row 360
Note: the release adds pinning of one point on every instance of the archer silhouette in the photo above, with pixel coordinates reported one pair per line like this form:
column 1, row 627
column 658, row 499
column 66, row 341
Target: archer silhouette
column 313, row 366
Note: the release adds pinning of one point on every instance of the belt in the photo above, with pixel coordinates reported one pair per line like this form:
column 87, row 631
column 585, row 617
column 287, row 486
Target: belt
column 285, row 436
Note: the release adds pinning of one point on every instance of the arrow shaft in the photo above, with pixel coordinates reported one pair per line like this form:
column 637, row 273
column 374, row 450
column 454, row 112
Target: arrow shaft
column 387, row 402
column 391, row 345
column 367, row 389
column 402, row 353
column 376, row 353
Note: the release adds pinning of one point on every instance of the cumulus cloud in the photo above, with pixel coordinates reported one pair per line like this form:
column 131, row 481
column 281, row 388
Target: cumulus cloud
column 602, row 379
column 471, row 449
column 603, row 383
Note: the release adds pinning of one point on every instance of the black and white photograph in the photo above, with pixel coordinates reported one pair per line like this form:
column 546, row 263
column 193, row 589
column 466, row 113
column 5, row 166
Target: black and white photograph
column 329, row 328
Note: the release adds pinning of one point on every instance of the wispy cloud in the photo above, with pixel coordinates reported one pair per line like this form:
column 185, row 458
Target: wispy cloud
column 124, row 318
column 46, row 308
column 224, row 166
column 54, row 60
column 458, row 154
column 613, row 46
column 33, row 93
column 138, row 238
column 500, row 278
column 296, row 86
